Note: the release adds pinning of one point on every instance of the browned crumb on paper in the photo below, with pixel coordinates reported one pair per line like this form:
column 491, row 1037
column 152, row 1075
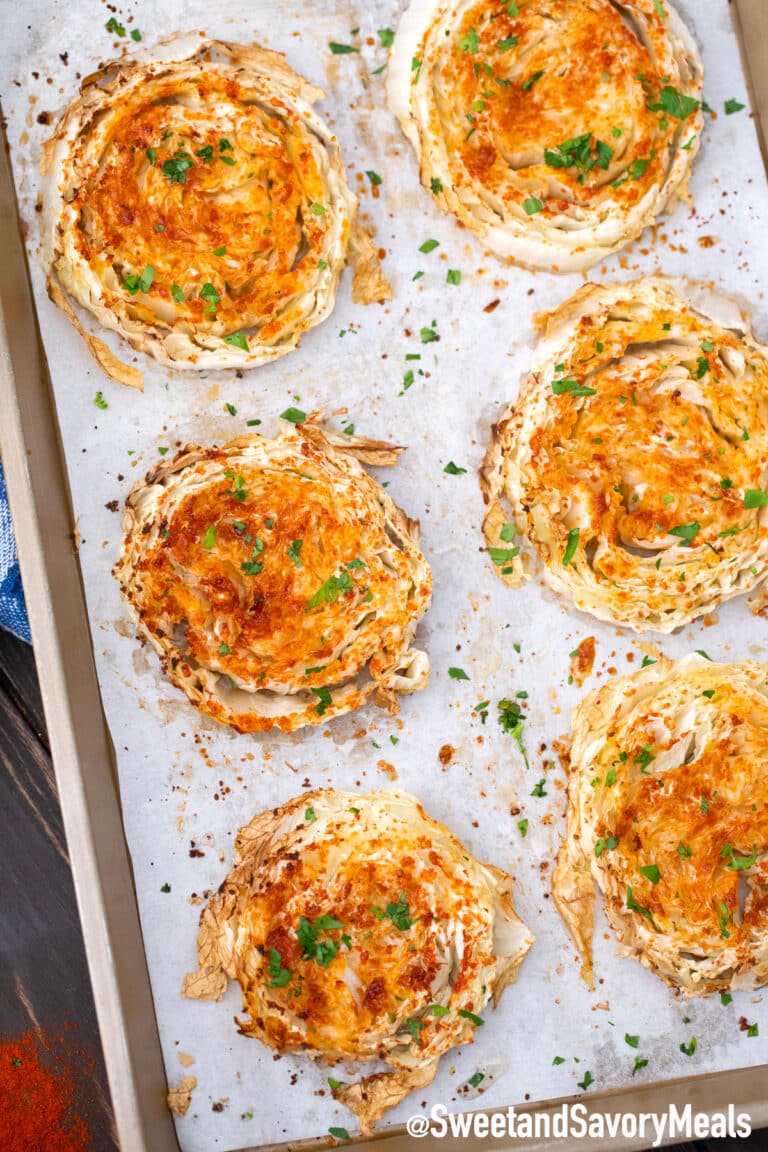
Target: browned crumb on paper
column 179, row 1095
column 185, row 1059
column 583, row 660
column 369, row 284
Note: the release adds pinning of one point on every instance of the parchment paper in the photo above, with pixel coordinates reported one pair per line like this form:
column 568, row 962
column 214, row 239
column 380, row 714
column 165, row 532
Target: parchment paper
column 187, row 784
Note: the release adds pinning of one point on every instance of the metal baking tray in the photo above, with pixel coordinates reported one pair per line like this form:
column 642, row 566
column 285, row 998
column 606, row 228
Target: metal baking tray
column 84, row 758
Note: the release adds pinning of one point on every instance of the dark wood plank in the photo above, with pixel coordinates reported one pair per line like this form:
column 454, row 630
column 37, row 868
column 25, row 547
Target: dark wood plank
column 44, row 984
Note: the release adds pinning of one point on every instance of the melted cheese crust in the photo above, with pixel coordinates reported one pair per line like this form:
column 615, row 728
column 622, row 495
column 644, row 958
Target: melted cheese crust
column 206, row 166
column 421, row 934
column 278, row 581
column 642, row 431
column 667, row 776
column 557, row 132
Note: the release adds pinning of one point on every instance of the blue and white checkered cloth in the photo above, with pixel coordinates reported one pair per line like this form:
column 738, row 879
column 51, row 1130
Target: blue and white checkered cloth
column 13, row 612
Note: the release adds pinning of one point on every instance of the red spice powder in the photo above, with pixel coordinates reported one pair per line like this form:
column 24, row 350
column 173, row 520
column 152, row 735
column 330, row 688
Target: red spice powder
column 38, row 1098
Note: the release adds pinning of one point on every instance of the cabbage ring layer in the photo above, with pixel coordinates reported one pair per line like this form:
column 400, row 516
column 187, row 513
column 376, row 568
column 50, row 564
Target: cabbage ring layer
column 360, row 929
column 278, row 581
column 668, row 816
column 196, row 204
column 634, row 460
column 555, row 131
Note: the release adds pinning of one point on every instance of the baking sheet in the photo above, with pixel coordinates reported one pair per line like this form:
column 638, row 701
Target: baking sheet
column 186, row 784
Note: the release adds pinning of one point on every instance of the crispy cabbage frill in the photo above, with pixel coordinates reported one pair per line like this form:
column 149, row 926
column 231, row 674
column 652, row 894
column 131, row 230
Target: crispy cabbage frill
column 634, row 460
column 555, row 131
column 668, row 816
column 195, row 203
column 278, row 581
column 360, row 930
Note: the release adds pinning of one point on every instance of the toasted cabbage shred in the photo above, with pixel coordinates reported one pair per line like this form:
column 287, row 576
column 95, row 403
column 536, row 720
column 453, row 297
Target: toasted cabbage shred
column 555, row 131
column 634, row 460
column 666, row 816
column 196, row 204
column 277, row 580
column 359, row 929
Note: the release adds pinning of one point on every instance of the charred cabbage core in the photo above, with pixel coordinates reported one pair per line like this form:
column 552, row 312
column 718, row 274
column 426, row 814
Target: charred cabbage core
column 635, row 460
column 556, row 131
column 359, row 929
column 668, row 815
column 277, row 579
column 196, row 204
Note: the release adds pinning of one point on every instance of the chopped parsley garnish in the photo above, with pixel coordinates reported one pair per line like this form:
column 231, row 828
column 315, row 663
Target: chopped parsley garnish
column 633, row 906
column 112, row 25
column 578, row 153
column 99, row 400
column 639, row 1063
column 738, row 863
column 438, row 1010
column 573, row 387
column 511, row 719
column 428, row 335
column 478, row 1020
column 429, row 246
column 732, row 106
column 293, row 415
column 317, row 209
column 224, row 649
column 398, row 913
column 532, row 205
column 237, row 340
column 278, row 976
column 689, row 1048
column 539, row 790
column 454, row 469
column 339, row 1134
column 507, row 43
column 341, row 49
column 674, row 103
column 453, row 276
column 178, row 295
column 726, row 999
column 644, row 758
column 175, row 169
column 724, row 918
column 684, row 851
column 502, row 556
column 329, row 592
column 752, row 1029
column 386, row 36
column 522, row 827
column 210, row 537
column 324, row 700
column 529, row 83
column 558, row 1060
column 470, row 42
column 476, row 1079
column 151, row 155
column 687, row 531
column 457, row 674
column 211, row 297
column 374, row 177
column 755, row 498
column 571, row 545
column 436, row 185
column 415, row 1026
column 633, row 1041
column 309, row 936
column 165, row 888
column 606, row 845
column 585, row 1083
column 651, row 872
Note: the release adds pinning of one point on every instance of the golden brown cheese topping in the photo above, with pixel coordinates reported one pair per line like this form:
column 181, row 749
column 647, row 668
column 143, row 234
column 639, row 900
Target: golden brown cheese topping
column 359, row 929
column 635, row 460
column 207, row 187
column 556, row 131
column 196, row 204
column 668, row 814
column 279, row 582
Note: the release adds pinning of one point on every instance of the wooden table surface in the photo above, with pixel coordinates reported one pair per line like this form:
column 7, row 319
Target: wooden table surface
column 45, row 992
